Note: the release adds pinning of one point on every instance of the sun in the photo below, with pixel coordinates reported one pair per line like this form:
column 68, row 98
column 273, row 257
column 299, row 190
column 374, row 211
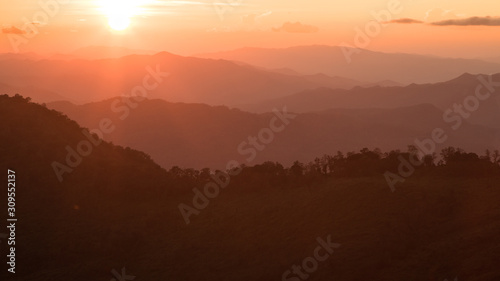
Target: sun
column 119, row 23
column 120, row 12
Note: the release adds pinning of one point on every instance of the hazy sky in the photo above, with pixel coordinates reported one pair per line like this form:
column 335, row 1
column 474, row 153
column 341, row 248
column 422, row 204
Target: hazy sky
column 456, row 28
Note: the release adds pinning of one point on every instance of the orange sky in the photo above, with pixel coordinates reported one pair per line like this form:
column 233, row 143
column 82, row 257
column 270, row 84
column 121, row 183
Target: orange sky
column 189, row 27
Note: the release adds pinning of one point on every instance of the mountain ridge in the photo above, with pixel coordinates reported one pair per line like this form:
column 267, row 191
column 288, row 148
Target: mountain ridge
column 365, row 66
column 173, row 134
column 443, row 95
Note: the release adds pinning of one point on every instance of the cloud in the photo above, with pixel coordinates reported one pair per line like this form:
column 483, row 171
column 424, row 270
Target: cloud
column 438, row 14
column 485, row 21
column 13, row 30
column 296, row 27
column 220, row 29
column 253, row 19
column 404, row 21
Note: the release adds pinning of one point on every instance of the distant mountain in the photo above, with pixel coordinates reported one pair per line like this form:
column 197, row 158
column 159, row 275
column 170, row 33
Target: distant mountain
column 106, row 52
column 194, row 80
column 191, row 79
column 335, row 82
column 364, row 66
column 39, row 95
column 345, row 83
column 384, row 83
column 196, row 135
column 442, row 95
column 287, row 71
column 20, row 56
column 491, row 59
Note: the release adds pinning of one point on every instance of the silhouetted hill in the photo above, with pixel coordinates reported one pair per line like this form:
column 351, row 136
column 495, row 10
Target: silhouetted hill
column 32, row 133
column 70, row 224
column 443, row 95
column 196, row 135
column 116, row 210
column 364, row 66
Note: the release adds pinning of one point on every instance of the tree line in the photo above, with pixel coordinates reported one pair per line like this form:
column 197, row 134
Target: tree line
column 33, row 134
column 450, row 162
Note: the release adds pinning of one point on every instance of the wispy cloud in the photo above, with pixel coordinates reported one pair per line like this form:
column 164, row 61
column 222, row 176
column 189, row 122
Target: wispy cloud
column 483, row 21
column 144, row 8
column 253, row 19
column 296, row 27
column 438, row 14
column 404, row 21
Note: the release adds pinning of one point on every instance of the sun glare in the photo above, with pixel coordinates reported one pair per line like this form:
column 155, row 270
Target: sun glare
column 120, row 12
column 119, row 23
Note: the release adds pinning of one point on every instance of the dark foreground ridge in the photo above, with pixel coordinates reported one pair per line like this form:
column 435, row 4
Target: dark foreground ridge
column 119, row 209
